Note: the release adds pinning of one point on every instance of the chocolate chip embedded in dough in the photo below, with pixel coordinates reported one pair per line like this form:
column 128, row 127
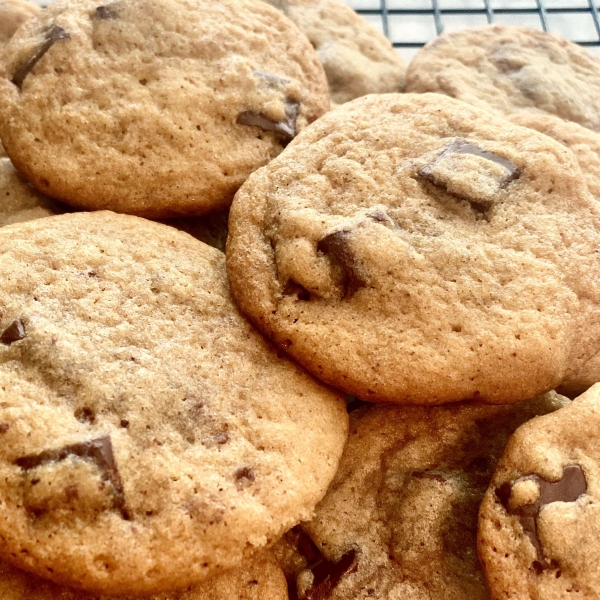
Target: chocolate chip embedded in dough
column 13, row 333
column 98, row 450
column 568, row 489
column 337, row 247
column 243, row 477
column 286, row 129
column 52, row 34
column 106, row 13
column 4, row 427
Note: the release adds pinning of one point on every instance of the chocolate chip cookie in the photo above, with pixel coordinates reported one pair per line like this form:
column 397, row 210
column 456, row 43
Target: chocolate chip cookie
column 357, row 59
column 258, row 578
column 19, row 201
column 415, row 249
column 150, row 437
column 152, row 107
column 539, row 521
column 400, row 518
column 13, row 13
column 508, row 70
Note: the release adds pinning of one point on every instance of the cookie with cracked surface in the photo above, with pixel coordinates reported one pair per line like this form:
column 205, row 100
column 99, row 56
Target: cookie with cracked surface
column 150, row 437
column 258, row 578
column 153, row 107
column 539, row 523
column 404, row 249
column 358, row 60
column 19, row 201
column 13, row 13
column 506, row 70
column 400, row 518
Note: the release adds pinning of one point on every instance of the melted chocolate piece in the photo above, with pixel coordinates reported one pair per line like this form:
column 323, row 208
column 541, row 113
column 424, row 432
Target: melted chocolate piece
column 13, row 333
column 286, row 128
column 52, row 34
column 105, row 13
column 326, row 574
column 568, row 489
column 99, row 451
column 336, row 247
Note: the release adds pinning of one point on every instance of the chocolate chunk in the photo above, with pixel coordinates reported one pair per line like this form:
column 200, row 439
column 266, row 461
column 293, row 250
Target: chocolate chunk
column 52, row 34
column 105, row 13
column 326, row 573
column 99, row 451
column 4, row 427
column 85, row 415
column 286, row 129
column 336, row 246
column 13, row 333
column 244, row 476
column 568, row 489
column 272, row 80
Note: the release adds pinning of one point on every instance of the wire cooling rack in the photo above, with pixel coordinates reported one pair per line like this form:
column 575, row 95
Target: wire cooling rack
column 409, row 24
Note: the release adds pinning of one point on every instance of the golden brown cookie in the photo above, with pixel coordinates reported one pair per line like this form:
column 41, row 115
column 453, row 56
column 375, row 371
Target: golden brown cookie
column 507, row 70
column 154, row 107
column 539, row 522
column 150, row 438
column 415, row 249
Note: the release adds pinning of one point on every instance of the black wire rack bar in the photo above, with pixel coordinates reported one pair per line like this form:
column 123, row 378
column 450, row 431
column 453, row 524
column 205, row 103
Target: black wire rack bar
column 489, row 12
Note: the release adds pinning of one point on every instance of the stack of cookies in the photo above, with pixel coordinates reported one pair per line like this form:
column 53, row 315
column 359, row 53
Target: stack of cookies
column 356, row 399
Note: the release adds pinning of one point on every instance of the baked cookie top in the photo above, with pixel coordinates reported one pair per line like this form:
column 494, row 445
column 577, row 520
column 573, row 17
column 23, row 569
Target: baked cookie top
column 357, row 59
column 539, row 520
column 13, row 13
column 150, row 437
column 259, row 578
column 400, row 518
column 508, row 69
column 405, row 247
column 585, row 144
column 154, row 107
column 19, row 201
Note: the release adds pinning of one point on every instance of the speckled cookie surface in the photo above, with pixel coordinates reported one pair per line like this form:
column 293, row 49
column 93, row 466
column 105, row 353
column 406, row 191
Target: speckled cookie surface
column 539, row 522
column 258, row 578
column 19, row 201
column 150, row 438
column 509, row 70
column 13, row 13
column 400, row 518
column 405, row 248
column 357, row 59
column 585, row 144
column 154, row 107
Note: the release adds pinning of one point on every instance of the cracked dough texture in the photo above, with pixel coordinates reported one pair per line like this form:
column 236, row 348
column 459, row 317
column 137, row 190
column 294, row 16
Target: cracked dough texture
column 392, row 288
column 506, row 70
column 258, row 578
column 136, row 111
column 358, row 60
column 406, row 498
column 220, row 443
column 19, row 201
column 13, row 13
column 567, row 530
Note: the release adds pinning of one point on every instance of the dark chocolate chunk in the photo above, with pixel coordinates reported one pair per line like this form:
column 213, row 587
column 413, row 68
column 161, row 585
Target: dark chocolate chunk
column 244, row 476
column 105, row 13
column 326, row 573
column 286, row 129
column 271, row 79
column 52, row 34
column 4, row 427
column 336, row 247
column 568, row 489
column 99, row 451
column 85, row 415
column 13, row 333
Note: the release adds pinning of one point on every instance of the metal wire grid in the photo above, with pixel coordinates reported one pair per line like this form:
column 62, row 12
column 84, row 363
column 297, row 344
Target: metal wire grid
column 411, row 23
